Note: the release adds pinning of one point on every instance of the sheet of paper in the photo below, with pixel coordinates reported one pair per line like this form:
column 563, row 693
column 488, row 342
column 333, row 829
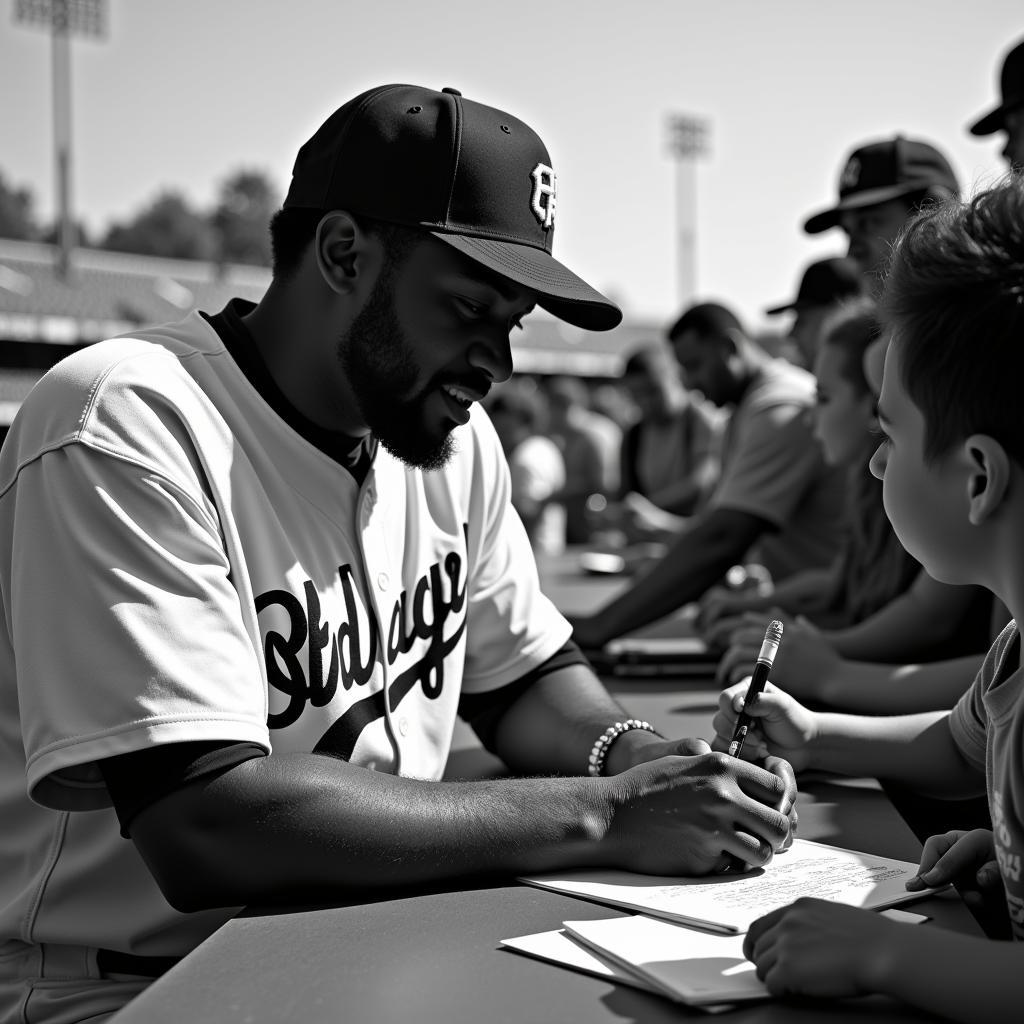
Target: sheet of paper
column 732, row 902
column 689, row 966
column 558, row 947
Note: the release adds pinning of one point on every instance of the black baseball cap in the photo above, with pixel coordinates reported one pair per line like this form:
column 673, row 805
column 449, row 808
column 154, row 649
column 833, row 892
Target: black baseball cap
column 473, row 176
column 1011, row 91
column 879, row 171
column 823, row 283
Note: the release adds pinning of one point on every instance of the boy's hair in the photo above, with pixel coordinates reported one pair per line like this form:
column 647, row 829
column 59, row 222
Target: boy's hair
column 293, row 229
column 708, row 320
column 852, row 328
column 954, row 298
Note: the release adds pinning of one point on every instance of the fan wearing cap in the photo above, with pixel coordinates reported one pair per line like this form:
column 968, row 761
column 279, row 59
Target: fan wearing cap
column 881, row 184
column 1008, row 115
column 824, row 285
column 232, row 676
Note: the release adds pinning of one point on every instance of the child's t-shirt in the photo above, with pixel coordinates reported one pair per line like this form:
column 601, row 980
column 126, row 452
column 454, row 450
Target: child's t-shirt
column 987, row 725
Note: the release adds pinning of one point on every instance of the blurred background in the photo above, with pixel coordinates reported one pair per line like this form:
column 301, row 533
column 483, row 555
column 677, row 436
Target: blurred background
column 145, row 144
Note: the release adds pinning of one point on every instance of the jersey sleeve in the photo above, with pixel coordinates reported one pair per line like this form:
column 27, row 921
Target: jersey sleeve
column 125, row 625
column 773, row 460
column 512, row 626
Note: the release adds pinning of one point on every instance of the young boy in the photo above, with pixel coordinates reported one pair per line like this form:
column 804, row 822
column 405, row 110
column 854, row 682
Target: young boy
column 952, row 463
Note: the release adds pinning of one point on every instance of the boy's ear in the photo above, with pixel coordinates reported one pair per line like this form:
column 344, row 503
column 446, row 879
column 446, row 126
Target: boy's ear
column 988, row 476
column 343, row 251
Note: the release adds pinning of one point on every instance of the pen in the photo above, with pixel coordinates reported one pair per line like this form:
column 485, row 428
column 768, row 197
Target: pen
column 763, row 665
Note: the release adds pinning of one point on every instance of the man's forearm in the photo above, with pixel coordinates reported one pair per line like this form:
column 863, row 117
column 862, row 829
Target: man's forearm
column 303, row 827
column 699, row 558
column 552, row 727
column 294, row 827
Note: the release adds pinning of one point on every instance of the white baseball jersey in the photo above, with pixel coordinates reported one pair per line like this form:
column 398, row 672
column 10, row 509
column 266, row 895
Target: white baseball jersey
column 178, row 564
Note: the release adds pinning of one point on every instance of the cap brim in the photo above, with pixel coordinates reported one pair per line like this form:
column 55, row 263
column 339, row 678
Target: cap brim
column 991, row 123
column 560, row 291
column 869, row 197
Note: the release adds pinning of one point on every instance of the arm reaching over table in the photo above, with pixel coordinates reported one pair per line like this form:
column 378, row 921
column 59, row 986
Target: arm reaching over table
column 285, row 828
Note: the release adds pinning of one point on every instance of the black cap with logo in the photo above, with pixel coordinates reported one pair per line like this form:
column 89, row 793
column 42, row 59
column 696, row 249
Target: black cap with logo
column 473, row 176
column 879, row 171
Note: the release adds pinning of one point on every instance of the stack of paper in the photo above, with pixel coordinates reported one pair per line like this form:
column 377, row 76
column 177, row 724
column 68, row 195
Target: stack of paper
column 691, row 949
column 687, row 966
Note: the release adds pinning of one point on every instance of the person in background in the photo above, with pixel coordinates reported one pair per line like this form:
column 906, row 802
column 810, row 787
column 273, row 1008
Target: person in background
column 775, row 493
column 952, row 464
column 589, row 443
column 609, row 399
column 824, row 285
column 606, row 429
column 670, row 457
column 1008, row 115
column 881, row 185
column 873, row 567
column 536, row 466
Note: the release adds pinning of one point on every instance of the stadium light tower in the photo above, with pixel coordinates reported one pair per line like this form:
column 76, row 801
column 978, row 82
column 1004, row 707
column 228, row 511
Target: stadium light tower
column 64, row 18
column 688, row 140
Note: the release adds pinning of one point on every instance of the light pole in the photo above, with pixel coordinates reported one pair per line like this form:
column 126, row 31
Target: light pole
column 688, row 139
column 64, row 18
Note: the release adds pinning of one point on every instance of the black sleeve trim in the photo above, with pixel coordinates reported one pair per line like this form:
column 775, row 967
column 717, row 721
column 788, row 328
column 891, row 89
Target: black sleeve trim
column 483, row 711
column 141, row 777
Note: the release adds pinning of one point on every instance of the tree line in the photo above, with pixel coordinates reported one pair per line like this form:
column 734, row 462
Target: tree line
column 234, row 230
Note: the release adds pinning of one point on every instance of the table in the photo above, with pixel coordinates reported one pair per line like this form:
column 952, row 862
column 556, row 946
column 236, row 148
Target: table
column 432, row 955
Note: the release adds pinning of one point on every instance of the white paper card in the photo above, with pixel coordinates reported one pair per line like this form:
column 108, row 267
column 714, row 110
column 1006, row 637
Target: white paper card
column 732, row 902
column 688, row 966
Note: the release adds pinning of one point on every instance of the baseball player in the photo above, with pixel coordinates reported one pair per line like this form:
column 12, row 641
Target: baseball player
column 255, row 563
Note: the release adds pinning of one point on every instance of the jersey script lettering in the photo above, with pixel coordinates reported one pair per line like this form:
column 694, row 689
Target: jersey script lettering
column 424, row 615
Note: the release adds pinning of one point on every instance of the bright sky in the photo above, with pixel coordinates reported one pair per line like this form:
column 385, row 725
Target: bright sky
column 180, row 94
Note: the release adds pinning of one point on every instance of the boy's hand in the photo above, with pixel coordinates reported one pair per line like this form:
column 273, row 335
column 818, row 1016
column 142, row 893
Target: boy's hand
column 819, row 948
column 784, row 727
column 805, row 663
column 952, row 856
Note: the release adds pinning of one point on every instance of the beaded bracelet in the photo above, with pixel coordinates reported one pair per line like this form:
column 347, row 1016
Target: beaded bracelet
column 599, row 752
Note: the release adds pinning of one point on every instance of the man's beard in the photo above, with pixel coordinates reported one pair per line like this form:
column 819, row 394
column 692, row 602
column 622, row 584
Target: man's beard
column 377, row 359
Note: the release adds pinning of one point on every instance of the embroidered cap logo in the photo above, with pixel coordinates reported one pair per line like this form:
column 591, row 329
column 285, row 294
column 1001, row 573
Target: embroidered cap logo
column 542, row 202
